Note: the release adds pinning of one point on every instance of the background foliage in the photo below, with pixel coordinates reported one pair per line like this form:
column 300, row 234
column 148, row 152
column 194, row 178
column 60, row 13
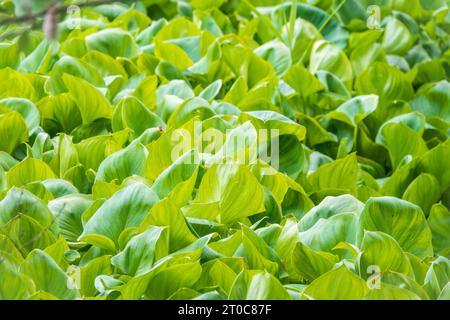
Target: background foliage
column 93, row 206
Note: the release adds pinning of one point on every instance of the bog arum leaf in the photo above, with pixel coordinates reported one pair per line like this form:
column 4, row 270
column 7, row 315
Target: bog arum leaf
column 14, row 285
column 390, row 292
column 15, row 84
column 68, row 211
column 195, row 107
column 257, row 285
column 329, row 207
column 9, row 54
column 327, row 233
column 142, row 251
column 47, row 275
column 382, row 250
column 277, row 53
column 312, row 264
column 439, row 221
column 178, row 180
column 338, row 175
column 13, row 129
column 211, row 149
column 74, row 67
column 416, row 192
column 403, row 221
column 27, row 233
column 219, row 184
column 26, row 109
column 19, row 201
column 88, row 273
column 402, row 141
column 434, row 162
column 124, row 163
column 386, row 81
column 273, row 121
column 329, row 57
column 131, row 113
column 355, row 110
column 173, row 54
column 127, row 208
column 302, row 80
column 211, row 91
column 166, row 282
column 59, row 113
column 166, row 214
column 397, row 38
column 432, row 101
column 92, row 104
column 114, row 42
column 337, row 284
column 29, row 170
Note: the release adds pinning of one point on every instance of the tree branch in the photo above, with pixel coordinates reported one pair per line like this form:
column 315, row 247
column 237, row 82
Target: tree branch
column 58, row 10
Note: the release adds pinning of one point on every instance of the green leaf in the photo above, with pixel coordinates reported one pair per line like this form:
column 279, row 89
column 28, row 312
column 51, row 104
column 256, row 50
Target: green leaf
column 131, row 113
column 312, row 264
column 402, row 141
column 327, row 233
column 9, row 54
column 423, row 191
column 127, row 208
column 388, row 82
column 26, row 109
column 402, row 220
column 389, row 292
column 13, row 128
column 381, row 250
column 257, row 285
column 15, row 84
column 29, row 170
column 355, row 110
column 88, row 273
column 124, row 163
column 173, row 54
column 167, row 281
column 14, row 285
column 277, row 53
column 86, row 95
column 114, row 42
column 47, row 275
column 219, row 185
column 341, row 174
column 397, row 38
column 59, row 113
column 68, row 211
column 326, row 56
column 211, row 91
column 329, row 207
column 302, row 80
column 178, row 180
column 337, row 284
column 142, row 251
column 432, row 101
column 434, row 162
column 74, row 67
column 27, row 233
column 439, row 222
column 166, row 214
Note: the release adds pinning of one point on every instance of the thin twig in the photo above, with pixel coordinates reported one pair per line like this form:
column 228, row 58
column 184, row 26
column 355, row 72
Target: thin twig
column 37, row 236
column 265, row 19
column 58, row 10
column 323, row 26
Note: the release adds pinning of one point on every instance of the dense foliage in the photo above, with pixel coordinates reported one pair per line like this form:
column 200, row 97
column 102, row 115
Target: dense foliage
column 94, row 205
